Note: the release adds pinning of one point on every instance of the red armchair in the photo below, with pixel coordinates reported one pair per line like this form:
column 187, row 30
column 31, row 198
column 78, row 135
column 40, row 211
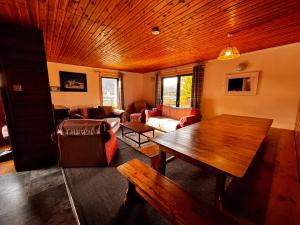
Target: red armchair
column 135, row 112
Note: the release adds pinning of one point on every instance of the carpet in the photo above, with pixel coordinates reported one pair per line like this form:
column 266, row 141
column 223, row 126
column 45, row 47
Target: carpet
column 98, row 193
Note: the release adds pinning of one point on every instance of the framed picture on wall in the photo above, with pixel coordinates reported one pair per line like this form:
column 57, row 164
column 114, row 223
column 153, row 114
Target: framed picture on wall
column 70, row 81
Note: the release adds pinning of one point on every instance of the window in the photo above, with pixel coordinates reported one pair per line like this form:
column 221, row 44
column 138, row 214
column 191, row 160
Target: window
column 109, row 91
column 170, row 91
column 177, row 91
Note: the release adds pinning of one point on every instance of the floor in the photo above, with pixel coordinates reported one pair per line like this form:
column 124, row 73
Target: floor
column 40, row 197
column 7, row 166
column 35, row 198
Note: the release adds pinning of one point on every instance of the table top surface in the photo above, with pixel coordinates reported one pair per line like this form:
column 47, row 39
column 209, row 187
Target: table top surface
column 137, row 127
column 226, row 143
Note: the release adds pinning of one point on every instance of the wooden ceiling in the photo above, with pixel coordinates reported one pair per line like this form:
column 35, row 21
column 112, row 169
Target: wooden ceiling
column 116, row 34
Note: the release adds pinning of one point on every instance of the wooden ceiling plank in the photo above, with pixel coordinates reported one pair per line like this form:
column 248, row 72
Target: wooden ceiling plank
column 80, row 27
column 62, row 9
column 80, row 12
column 106, row 22
column 91, row 25
column 167, row 34
column 67, row 22
column 149, row 28
column 175, row 31
column 136, row 25
column 191, row 31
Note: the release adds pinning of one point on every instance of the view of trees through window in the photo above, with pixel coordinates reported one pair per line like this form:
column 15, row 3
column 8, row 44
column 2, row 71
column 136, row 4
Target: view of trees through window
column 185, row 91
column 169, row 91
column 177, row 95
column 110, row 91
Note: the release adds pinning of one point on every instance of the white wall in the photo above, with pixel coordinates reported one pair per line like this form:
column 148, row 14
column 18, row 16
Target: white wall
column 133, row 83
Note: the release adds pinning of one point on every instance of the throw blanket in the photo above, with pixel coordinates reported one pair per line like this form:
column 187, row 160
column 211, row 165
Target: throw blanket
column 83, row 127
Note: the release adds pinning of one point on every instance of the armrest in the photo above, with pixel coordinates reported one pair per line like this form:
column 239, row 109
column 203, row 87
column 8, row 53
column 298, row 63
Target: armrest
column 76, row 116
column 152, row 113
column 188, row 120
column 120, row 113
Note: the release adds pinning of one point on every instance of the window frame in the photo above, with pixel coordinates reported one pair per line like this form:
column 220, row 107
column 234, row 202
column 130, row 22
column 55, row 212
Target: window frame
column 177, row 88
column 114, row 78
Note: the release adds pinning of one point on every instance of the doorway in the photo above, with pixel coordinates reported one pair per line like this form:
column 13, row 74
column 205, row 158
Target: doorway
column 6, row 159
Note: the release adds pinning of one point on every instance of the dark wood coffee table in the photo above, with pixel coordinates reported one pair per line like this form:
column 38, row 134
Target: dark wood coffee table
column 136, row 127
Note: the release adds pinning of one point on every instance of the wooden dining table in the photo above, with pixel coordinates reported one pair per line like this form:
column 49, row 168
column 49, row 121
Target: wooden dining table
column 225, row 144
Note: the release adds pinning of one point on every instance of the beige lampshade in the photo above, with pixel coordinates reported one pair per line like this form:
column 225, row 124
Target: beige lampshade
column 229, row 52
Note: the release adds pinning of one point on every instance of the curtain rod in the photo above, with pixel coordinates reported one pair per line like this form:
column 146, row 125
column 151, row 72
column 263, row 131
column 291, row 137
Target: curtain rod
column 106, row 72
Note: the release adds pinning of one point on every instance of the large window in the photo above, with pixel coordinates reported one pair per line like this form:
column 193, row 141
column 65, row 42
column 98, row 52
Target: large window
column 109, row 91
column 177, row 91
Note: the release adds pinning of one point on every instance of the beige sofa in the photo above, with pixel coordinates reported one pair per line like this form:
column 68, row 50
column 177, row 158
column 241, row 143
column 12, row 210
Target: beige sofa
column 167, row 118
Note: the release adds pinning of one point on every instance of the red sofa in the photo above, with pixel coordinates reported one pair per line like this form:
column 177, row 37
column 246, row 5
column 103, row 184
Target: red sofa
column 167, row 118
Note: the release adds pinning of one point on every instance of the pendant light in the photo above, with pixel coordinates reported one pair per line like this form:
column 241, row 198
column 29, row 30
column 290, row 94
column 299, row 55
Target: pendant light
column 230, row 52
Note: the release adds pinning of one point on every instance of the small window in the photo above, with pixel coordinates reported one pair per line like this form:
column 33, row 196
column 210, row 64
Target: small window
column 177, row 91
column 170, row 91
column 185, row 91
column 110, row 91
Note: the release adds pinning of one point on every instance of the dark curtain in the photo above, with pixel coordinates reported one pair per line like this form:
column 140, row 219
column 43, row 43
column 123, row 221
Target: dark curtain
column 158, row 97
column 197, row 85
column 121, row 92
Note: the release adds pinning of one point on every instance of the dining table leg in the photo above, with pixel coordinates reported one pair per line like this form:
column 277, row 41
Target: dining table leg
column 220, row 190
column 162, row 162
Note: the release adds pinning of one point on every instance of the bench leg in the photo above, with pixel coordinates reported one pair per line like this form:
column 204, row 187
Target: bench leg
column 155, row 162
column 220, row 190
column 132, row 196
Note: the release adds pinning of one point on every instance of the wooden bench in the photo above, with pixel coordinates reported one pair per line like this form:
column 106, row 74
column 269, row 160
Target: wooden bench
column 167, row 197
column 152, row 152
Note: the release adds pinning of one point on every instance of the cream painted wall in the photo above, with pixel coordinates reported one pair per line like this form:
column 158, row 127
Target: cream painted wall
column 278, row 88
column 133, row 84
column 149, row 88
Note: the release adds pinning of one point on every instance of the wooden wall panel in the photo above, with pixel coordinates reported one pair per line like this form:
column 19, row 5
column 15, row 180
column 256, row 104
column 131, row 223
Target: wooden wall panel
column 116, row 34
column 297, row 139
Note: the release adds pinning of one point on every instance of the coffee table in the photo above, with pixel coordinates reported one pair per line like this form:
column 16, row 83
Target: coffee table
column 136, row 127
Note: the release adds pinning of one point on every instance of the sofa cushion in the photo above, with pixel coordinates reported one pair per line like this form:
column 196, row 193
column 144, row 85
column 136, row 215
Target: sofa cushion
column 163, row 123
column 84, row 112
column 175, row 113
column 106, row 111
column 135, row 117
column 95, row 113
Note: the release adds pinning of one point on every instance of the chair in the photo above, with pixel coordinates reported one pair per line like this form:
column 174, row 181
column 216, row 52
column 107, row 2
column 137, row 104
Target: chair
column 135, row 112
column 86, row 143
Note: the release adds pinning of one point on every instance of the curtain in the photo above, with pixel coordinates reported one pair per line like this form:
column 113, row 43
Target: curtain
column 121, row 91
column 197, row 85
column 158, row 97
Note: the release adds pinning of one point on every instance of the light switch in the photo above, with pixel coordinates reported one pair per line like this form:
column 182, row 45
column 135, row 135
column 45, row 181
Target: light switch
column 17, row 87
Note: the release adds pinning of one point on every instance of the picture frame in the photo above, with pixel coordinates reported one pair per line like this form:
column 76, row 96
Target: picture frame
column 241, row 83
column 74, row 82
